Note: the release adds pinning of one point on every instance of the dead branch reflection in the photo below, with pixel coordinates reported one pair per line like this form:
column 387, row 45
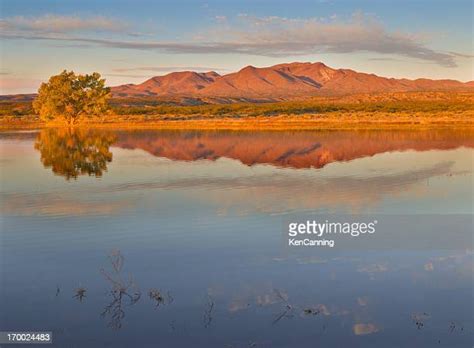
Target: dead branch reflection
column 159, row 298
column 123, row 292
column 208, row 312
column 80, row 293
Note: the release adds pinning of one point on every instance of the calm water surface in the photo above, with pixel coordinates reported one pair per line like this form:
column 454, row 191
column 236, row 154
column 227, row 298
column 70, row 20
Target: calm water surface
column 173, row 239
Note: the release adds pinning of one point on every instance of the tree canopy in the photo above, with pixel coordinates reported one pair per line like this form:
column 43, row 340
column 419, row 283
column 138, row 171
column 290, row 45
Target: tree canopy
column 70, row 97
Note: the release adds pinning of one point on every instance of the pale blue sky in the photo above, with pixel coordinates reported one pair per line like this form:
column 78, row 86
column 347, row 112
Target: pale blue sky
column 130, row 41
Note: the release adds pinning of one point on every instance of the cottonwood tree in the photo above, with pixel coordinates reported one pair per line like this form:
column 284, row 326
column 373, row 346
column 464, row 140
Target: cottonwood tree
column 69, row 97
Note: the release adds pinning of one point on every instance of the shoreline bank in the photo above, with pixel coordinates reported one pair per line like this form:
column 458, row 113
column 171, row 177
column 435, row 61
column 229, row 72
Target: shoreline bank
column 237, row 122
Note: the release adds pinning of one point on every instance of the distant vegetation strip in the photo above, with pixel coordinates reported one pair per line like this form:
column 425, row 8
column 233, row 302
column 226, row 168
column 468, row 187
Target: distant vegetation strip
column 401, row 108
column 356, row 120
column 294, row 108
column 390, row 103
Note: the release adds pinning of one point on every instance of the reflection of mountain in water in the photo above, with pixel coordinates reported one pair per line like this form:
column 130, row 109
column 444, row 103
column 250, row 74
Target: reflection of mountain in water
column 74, row 152
column 290, row 149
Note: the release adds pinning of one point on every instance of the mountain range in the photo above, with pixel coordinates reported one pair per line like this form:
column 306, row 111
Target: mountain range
column 304, row 150
column 282, row 81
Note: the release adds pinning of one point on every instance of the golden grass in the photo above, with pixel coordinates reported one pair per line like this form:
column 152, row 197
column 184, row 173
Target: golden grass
column 354, row 120
column 370, row 111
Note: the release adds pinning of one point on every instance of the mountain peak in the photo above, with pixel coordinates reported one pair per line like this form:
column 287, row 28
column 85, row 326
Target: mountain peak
column 248, row 68
column 281, row 81
column 211, row 73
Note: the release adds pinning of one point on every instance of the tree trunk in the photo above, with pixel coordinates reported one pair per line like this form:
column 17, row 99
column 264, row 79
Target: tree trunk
column 72, row 121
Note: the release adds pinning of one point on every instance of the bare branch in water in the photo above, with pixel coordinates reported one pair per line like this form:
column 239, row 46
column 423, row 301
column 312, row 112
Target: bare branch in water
column 208, row 312
column 419, row 319
column 285, row 314
column 122, row 290
column 80, row 293
column 159, row 298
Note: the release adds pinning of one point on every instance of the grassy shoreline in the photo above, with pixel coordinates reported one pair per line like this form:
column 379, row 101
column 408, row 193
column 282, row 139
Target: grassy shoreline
column 281, row 122
column 367, row 111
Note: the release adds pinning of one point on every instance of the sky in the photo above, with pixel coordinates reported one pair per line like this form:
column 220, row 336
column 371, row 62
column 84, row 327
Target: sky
column 131, row 41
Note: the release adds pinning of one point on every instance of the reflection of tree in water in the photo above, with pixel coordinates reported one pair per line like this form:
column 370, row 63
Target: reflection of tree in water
column 73, row 152
column 123, row 292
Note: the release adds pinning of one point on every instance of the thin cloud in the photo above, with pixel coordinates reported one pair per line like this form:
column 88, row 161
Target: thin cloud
column 279, row 36
column 262, row 36
column 388, row 59
column 461, row 55
column 135, row 76
column 220, row 19
column 384, row 59
column 168, row 68
column 60, row 24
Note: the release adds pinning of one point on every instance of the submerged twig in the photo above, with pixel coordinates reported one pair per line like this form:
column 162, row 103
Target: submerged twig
column 208, row 312
column 80, row 293
column 121, row 290
column 159, row 298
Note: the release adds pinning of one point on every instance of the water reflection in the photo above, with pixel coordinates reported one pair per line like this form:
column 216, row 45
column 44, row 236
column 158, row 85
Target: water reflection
column 310, row 149
column 354, row 186
column 159, row 298
column 328, row 321
column 123, row 291
column 80, row 293
column 209, row 231
column 72, row 152
column 208, row 312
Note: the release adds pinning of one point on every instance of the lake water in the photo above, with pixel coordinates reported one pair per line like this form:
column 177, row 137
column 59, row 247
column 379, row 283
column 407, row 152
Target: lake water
column 174, row 239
